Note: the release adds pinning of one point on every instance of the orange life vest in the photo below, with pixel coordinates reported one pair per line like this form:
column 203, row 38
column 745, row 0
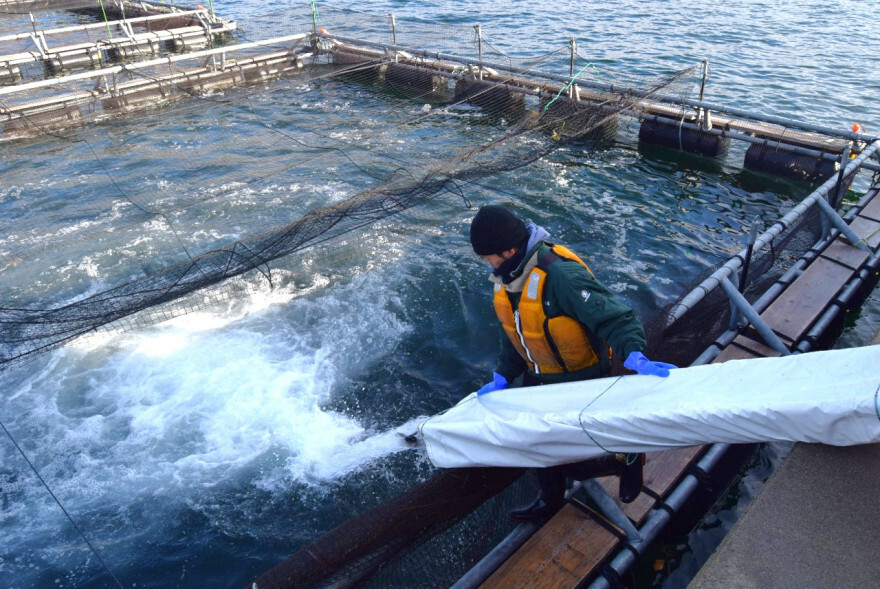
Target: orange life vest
column 550, row 345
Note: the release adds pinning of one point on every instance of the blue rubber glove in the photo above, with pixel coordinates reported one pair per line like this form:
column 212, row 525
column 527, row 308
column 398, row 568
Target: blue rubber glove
column 498, row 383
column 637, row 361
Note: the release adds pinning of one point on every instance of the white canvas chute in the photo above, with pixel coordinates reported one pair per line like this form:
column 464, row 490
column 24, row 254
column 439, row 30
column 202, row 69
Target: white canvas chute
column 827, row 397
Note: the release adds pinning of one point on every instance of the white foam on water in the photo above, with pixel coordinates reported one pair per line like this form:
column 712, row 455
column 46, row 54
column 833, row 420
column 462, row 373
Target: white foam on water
column 202, row 401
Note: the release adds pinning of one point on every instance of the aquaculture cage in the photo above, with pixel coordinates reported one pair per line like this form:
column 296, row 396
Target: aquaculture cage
column 434, row 86
column 530, row 114
column 515, row 133
column 451, row 531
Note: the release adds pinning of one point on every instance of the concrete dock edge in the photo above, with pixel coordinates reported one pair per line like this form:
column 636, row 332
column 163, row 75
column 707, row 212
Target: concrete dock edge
column 816, row 523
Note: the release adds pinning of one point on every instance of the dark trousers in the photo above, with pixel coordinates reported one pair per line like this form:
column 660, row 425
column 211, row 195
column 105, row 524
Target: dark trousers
column 553, row 478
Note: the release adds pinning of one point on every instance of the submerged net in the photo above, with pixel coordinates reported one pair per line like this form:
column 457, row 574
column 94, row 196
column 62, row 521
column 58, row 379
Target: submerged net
column 528, row 115
column 369, row 550
column 671, row 339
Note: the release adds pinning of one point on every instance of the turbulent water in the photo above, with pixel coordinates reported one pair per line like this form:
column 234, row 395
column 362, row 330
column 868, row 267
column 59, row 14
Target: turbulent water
column 203, row 450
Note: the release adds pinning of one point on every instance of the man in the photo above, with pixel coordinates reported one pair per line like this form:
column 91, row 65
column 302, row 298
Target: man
column 559, row 324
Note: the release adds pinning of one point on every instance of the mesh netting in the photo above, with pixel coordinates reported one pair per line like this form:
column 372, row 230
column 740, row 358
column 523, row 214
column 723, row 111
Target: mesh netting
column 382, row 547
column 528, row 117
column 29, row 6
column 670, row 333
column 672, row 340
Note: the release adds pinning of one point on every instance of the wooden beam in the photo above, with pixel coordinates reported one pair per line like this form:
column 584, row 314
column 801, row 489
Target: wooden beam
column 795, row 310
column 561, row 554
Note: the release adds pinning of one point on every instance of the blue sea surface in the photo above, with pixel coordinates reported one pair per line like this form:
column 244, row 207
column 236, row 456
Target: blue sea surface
column 203, row 450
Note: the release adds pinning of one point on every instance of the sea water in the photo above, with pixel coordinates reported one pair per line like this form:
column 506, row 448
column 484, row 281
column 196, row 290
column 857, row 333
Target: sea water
column 204, row 450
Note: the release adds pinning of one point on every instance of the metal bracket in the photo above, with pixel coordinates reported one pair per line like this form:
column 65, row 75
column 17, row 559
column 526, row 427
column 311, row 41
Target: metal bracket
column 746, row 308
column 40, row 41
column 393, row 29
column 841, row 225
column 479, row 32
column 611, row 509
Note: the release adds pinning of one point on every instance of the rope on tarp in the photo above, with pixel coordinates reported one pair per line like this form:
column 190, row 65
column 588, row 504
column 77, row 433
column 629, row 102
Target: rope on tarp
column 581, row 415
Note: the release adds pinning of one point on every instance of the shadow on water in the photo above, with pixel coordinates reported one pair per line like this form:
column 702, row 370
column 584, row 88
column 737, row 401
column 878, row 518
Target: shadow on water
column 748, row 180
column 681, row 159
column 753, row 181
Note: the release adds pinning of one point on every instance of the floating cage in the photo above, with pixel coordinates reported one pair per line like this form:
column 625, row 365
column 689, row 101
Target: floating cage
column 781, row 161
column 669, row 133
column 492, row 96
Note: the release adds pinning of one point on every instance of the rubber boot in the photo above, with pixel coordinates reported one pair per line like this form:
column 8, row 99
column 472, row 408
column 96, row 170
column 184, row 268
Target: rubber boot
column 627, row 466
column 549, row 500
column 552, row 481
column 631, row 476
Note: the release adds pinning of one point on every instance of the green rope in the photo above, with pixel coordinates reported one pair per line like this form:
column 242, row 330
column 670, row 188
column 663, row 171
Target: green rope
column 570, row 82
column 211, row 8
column 315, row 17
column 106, row 20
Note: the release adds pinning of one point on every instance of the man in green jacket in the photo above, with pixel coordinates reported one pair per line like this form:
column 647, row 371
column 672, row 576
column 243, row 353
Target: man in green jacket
column 558, row 324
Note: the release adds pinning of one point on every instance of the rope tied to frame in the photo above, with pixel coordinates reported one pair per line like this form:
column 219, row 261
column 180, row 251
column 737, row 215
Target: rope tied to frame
column 568, row 85
column 106, row 20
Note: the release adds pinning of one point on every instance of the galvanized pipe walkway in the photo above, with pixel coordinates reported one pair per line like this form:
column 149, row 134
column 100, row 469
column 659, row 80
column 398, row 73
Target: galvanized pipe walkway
column 56, row 51
column 572, row 548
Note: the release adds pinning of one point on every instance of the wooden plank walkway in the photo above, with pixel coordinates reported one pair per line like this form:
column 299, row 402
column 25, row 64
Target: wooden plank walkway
column 570, row 549
column 572, row 545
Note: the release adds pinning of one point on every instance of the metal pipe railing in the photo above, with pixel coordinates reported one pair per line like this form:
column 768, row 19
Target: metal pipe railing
column 150, row 63
column 741, row 136
column 497, row 556
column 824, row 322
column 744, row 307
column 658, row 518
column 610, row 509
column 788, row 276
column 714, row 280
column 101, row 25
column 789, row 123
column 759, row 305
column 773, row 120
column 840, row 224
column 446, row 69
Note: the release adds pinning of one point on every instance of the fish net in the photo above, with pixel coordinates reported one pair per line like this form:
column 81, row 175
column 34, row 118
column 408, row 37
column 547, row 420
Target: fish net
column 671, row 337
column 514, row 115
column 426, row 537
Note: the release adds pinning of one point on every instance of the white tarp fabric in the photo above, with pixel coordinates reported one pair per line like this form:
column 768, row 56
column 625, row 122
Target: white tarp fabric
column 825, row 397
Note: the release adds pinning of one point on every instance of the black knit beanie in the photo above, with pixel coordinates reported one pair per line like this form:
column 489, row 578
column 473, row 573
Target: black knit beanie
column 495, row 230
